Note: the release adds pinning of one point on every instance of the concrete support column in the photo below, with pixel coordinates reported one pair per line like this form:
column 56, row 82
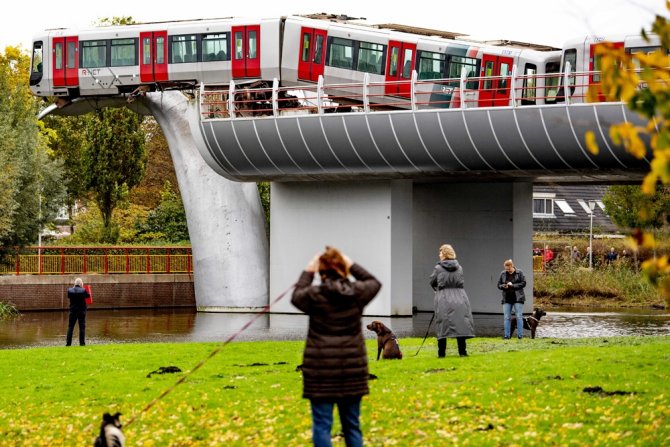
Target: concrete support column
column 369, row 221
column 225, row 219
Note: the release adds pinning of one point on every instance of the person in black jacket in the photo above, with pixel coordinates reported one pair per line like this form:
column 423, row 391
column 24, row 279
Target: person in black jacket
column 511, row 282
column 77, row 296
column 335, row 361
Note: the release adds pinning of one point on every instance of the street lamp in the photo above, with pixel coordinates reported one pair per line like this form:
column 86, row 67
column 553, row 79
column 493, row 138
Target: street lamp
column 592, row 207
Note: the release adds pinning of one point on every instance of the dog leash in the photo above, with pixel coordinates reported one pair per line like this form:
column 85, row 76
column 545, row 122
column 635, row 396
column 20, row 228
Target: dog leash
column 265, row 310
column 425, row 336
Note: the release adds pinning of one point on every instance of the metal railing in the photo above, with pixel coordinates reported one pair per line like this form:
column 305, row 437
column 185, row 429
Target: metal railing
column 48, row 260
column 228, row 101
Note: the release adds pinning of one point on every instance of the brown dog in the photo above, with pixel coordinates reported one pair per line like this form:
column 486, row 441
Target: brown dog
column 386, row 341
column 530, row 323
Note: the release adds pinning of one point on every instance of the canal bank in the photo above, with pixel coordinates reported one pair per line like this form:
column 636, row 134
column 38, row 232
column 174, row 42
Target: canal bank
column 49, row 292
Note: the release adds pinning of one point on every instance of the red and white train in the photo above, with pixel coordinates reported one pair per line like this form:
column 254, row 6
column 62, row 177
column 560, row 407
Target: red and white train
column 296, row 50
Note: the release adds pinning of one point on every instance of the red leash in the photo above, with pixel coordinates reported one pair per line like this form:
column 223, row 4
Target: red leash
column 265, row 310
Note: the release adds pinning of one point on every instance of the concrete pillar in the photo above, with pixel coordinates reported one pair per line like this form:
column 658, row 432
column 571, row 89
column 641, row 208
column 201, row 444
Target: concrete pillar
column 486, row 223
column 225, row 219
column 371, row 221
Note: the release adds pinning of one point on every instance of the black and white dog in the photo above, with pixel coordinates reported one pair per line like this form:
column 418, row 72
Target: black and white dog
column 110, row 432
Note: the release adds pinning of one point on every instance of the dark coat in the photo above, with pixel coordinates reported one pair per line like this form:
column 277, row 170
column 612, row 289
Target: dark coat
column 518, row 283
column 77, row 296
column 335, row 361
column 453, row 317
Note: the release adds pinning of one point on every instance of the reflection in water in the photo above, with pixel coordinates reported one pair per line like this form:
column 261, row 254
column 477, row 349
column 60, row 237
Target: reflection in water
column 186, row 325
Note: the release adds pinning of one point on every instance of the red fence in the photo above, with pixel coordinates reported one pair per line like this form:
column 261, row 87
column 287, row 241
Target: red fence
column 104, row 260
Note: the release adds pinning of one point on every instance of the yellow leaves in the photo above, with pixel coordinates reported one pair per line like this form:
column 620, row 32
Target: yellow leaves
column 629, row 135
column 591, row 143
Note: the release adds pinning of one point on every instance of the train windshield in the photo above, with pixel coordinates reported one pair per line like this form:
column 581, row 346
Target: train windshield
column 36, row 65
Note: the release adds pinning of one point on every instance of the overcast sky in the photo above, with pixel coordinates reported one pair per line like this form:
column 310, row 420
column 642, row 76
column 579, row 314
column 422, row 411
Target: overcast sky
column 536, row 21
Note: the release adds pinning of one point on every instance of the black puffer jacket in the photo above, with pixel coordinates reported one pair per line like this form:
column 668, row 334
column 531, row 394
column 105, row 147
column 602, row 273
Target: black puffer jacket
column 335, row 361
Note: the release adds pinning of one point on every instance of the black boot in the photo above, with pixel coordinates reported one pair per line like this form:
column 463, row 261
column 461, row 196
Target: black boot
column 461, row 346
column 441, row 347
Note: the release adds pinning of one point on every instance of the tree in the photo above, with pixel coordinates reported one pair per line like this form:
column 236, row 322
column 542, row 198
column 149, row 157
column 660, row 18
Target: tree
column 630, row 208
column 29, row 177
column 167, row 222
column 114, row 160
column 647, row 92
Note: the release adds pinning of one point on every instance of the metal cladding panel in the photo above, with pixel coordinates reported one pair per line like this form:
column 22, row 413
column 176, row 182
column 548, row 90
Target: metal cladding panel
column 383, row 134
column 411, row 142
column 564, row 139
column 357, row 128
column 211, row 139
column 340, row 140
column 536, row 141
column 274, row 148
column 316, row 141
column 497, row 144
column 428, row 125
column 459, row 136
column 250, row 146
column 522, row 142
column 295, row 145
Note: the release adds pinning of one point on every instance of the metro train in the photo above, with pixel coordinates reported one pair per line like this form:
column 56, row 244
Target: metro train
column 296, row 50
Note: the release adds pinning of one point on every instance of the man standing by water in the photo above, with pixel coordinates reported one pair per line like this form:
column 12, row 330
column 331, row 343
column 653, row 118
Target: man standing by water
column 77, row 296
column 511, row 282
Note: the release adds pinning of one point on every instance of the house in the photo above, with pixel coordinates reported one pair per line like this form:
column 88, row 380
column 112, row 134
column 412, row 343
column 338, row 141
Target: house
column 565, row 209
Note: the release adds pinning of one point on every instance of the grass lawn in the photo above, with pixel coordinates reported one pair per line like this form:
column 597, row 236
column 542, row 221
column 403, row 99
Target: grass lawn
column 525, row 393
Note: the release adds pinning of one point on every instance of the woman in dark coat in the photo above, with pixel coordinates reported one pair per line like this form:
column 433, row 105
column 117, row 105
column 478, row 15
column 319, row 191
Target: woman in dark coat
column 452, row 307
column 335, row 361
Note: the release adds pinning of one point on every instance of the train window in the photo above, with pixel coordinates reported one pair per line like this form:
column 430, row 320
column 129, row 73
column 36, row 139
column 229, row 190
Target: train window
column 341, row 53
column 37, row 57
column 160, row 50
column 252, row 44
column 215, row 47
column 93, row 53
column 306, row 39
column 185, row 48
column 529, row 92
column 551, row 82
column 71, row 55
column 503, row 87
column 431, row 65
column 471, row 66
column 239, row 45
column 318, row 50
column 393, row 69
column 488, row 72
column 370, row 58
column 571, row 57
column 59, row 56
column 146, row 51
column 123, row 52
column 408, row 63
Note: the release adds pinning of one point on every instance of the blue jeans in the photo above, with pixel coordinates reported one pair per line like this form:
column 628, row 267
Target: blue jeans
column 322, row 421
column 507, row 315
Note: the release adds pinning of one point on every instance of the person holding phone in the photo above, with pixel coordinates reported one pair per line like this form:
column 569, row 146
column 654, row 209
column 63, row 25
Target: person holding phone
column 77, row 296
column 512, row 282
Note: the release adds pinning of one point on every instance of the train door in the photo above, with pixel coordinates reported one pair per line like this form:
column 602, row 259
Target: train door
column 246, row 61
column 494, row 91
column 312, row 53
column 65, row 61
column 399, row 68
column 595, row 66
column 153, row 56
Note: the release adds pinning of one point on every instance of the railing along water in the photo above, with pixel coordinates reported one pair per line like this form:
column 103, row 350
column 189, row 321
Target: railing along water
column 62, row 260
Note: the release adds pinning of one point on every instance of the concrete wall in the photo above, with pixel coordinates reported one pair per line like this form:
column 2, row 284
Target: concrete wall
column 369, row 221
column 486, row 223
column 29, row 292
column 394, row 229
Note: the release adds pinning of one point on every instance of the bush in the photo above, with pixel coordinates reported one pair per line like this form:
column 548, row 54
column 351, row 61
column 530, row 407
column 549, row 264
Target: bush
column 8, row 310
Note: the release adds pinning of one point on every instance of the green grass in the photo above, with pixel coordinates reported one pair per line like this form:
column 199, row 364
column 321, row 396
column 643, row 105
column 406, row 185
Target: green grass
column 523, row 393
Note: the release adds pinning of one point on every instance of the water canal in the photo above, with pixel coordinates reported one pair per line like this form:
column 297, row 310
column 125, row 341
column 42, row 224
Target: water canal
column 33, row 329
